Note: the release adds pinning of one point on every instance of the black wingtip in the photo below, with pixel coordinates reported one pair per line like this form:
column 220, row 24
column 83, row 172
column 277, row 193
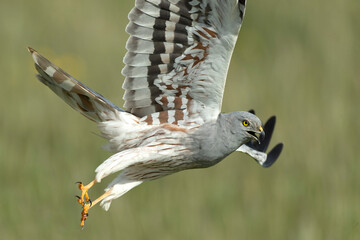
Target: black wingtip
column 268, row 129
column 273, row 155
column 252, row 111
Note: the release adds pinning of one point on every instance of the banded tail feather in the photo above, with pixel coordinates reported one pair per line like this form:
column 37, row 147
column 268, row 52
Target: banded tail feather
column 81, row 98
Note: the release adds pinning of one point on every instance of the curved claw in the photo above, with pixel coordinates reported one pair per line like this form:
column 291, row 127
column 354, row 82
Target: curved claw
column 80, row 185
column 79, row 200
column 85, row 201
column 84, row 198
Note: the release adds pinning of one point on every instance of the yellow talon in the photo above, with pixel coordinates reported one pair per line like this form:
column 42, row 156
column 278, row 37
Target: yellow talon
column 84, row 200
column 84, row 213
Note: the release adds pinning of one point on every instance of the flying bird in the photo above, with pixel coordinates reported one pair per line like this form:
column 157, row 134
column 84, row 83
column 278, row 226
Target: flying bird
column 176, row 64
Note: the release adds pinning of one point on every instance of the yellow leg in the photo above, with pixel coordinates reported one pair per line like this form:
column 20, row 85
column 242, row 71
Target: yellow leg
column 84, row 198
column 107, row 193
column 86, row 202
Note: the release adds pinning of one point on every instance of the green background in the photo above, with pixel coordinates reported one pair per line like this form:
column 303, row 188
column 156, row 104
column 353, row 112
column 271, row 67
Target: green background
column 298, row 60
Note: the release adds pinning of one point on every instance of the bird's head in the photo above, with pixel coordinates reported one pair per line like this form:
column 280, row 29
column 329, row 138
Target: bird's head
column 247, row 126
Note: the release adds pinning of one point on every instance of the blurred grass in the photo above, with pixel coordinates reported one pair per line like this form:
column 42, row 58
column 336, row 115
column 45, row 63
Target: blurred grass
column 296, row 59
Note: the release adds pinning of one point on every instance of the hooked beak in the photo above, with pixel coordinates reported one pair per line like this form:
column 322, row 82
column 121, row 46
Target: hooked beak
column 259, row 135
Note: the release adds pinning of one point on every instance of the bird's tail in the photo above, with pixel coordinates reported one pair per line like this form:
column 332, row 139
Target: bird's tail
column 84, row 100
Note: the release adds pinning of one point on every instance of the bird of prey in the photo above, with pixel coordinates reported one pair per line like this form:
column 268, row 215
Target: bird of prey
column 175, row 70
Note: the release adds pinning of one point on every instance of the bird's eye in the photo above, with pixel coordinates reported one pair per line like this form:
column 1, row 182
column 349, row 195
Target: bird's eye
column 245, row 123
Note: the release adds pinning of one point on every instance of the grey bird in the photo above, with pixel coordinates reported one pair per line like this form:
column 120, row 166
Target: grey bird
column 175, row 70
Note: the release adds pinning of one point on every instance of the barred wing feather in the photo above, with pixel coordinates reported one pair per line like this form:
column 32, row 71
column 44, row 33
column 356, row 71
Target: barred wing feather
column 178, row 57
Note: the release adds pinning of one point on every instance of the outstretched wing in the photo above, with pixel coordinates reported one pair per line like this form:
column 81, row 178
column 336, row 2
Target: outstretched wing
column 178, row 57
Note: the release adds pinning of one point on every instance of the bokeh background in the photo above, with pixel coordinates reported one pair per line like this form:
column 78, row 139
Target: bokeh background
column 298, row 60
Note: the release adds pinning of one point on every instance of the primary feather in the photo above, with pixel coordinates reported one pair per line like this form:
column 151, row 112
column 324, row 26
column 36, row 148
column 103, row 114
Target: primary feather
column 178, row 57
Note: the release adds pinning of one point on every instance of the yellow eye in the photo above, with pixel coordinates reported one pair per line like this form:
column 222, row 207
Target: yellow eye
column 245, row 123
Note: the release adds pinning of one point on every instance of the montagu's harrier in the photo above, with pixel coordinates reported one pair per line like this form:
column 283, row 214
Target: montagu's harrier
column 176, row 66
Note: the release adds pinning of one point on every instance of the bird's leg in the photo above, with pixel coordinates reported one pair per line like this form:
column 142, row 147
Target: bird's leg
column 84, row 198
column 88, row 205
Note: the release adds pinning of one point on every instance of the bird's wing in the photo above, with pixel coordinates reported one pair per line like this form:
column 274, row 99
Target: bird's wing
column 178, row 57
